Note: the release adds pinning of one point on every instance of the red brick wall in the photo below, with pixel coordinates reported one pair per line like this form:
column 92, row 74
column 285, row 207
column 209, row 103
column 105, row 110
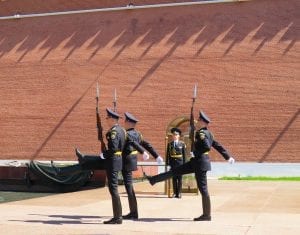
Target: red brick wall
column 243, row 56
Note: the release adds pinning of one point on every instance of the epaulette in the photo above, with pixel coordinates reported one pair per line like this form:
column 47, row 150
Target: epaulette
column 125, row 133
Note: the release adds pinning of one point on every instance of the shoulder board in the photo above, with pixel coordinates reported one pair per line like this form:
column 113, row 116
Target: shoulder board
column 140, row 134
column 125, row 133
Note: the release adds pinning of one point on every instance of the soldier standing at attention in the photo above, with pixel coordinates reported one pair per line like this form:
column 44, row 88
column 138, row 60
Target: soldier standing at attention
column 130, row 161
column 116, row 138
column 199, row 164
column 176, row 157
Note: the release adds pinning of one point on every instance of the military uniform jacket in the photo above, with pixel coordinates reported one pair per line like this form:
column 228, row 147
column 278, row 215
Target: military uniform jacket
column 204, row 140
column 116, row 138
column 176, row 153
column 148, row 147
column 135, row 142
column 131, row 150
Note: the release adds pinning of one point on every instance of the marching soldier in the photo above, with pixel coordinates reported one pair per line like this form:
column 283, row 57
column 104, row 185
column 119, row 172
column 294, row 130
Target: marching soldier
column 130, row 161
column 199, row 164
column 115, row 144
column 110, row 160
column 176, row 157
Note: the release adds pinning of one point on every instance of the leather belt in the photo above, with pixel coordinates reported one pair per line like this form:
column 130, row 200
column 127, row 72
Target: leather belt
column 133, row 152
column 118, row 153
column 177, row 156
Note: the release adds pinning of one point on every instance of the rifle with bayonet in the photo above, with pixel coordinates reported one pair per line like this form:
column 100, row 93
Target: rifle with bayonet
column 99, row 124
column 192, row 123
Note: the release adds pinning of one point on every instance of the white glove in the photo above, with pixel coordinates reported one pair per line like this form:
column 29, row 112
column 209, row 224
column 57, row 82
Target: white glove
column 159, row 160
column 192, row 154
column 145, row 156
column 231, row 160
column 101, row 156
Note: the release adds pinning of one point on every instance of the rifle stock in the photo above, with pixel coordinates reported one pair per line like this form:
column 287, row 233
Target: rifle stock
column 99, row 124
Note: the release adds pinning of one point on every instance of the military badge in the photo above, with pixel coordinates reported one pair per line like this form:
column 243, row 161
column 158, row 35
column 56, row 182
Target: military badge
column 113, row 135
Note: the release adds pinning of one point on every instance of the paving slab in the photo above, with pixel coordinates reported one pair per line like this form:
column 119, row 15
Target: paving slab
column 238, row 207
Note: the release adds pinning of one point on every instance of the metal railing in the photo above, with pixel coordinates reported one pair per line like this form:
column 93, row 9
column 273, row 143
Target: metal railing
column 110, row 9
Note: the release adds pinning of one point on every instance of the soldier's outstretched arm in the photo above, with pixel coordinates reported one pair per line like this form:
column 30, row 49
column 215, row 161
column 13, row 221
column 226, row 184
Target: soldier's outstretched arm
column 217, row 146
column 149, row 148
column 136, row 145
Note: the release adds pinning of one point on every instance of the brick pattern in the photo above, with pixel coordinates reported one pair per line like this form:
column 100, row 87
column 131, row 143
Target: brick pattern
column 243, row 56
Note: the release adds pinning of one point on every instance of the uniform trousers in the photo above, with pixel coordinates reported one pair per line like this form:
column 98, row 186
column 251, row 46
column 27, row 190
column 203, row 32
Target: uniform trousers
column 112, row 178
column 177, row 184
column 127, row 177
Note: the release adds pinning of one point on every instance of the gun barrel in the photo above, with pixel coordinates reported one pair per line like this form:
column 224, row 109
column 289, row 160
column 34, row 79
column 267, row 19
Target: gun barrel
column 97, row 90
column 195, row 92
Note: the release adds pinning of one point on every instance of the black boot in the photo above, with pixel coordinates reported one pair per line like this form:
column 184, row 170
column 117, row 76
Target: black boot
column 117, row 211
column 113, row 221
column 132, row 206
column 131, row 215
column 91, row 162
column 160, row 177
column 206, row 210
column 80, row 156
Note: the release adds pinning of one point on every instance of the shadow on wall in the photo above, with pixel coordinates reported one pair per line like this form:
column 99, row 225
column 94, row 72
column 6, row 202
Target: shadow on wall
column 279, row 137
column 262, row 20
column 235, row 21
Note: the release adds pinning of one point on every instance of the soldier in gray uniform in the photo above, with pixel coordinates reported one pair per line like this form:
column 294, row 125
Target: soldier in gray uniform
column 130, row 161
column 176, row 151
column 199, row 164
column 134, row 144
column 116, row 138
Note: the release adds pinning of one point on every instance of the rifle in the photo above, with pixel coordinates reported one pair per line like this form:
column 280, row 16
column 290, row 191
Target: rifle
column 192, row 123
column 99, row 124
column 115, row 101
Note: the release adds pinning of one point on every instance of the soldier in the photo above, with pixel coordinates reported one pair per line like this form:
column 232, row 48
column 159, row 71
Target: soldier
column 113, row 155
column 199, row 164
column 130, row 161
column 176, row 157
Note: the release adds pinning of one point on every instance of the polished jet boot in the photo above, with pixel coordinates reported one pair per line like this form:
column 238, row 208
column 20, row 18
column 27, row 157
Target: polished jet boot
column 117, row 211
column 90, row 162
column 206, row 210
column 133, row 215
column 160, row 177
column 80, row 156
column 113, row 221
column 85, row 163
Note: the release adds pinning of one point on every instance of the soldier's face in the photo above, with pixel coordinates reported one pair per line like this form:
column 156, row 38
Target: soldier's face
column 176, row 136
column 201, row 123
column 126, row 124
column 109, row 120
